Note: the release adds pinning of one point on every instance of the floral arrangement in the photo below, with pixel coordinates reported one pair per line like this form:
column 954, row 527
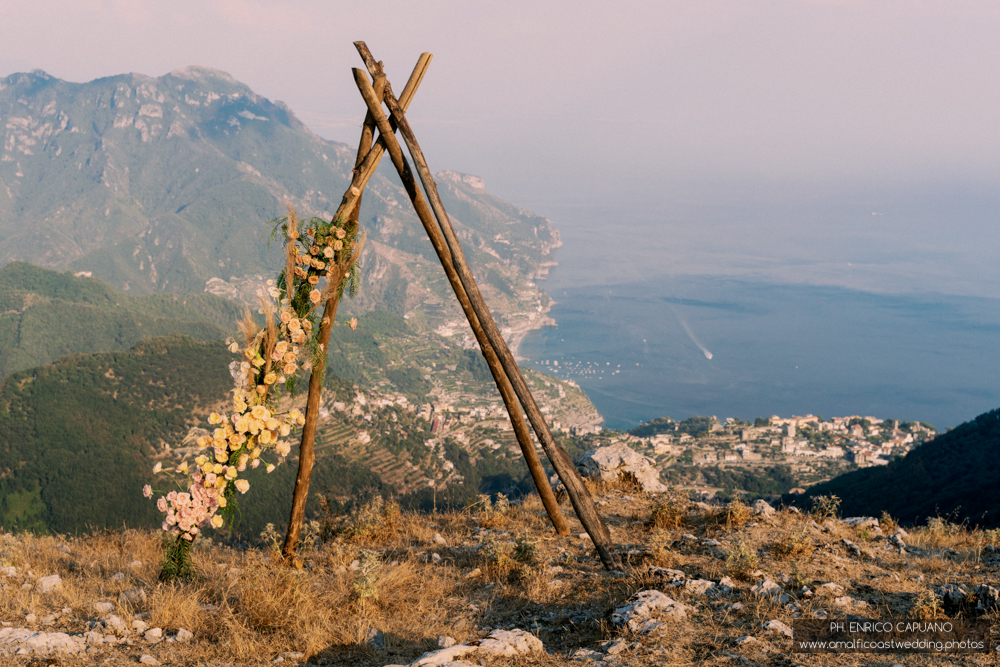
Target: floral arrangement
column 270, row 358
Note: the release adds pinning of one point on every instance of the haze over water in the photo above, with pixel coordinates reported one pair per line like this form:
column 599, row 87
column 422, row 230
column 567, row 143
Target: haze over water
column 771, row 331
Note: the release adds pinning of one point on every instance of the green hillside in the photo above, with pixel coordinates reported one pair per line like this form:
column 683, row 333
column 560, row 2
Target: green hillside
column 45, row 315
column 954, row 475
column 79, row 438
column 163, row 185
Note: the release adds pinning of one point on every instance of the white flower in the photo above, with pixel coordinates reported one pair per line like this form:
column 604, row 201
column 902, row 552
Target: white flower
column 157, row 468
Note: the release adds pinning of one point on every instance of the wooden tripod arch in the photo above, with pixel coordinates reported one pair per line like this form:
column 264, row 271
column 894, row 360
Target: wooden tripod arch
column 437, row 224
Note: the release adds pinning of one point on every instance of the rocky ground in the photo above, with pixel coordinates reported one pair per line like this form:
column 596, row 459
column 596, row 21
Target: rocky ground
column 493, row 585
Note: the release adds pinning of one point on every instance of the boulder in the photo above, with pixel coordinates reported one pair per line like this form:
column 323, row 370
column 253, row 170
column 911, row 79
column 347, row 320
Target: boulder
column 645, row 604
column 615, row 461
column 761, row 507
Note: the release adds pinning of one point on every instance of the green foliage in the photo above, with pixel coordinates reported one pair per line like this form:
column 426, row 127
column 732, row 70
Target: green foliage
column 654, row 427
column 177, row 563
column 696, row 425
column 953, row 474
column 46, row 314
column 773, row 480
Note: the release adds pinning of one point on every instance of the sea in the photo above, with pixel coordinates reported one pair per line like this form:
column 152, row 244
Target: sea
column 681, row 345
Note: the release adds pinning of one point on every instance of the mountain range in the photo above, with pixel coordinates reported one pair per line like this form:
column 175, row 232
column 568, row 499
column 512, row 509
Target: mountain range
column 166, row 184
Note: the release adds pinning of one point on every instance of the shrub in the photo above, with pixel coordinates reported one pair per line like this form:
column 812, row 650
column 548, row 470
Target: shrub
column 742, row 560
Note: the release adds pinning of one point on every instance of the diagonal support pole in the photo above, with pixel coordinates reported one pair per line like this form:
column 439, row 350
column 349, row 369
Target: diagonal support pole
column 506, row 391
column 365, row 164
column 580, row 497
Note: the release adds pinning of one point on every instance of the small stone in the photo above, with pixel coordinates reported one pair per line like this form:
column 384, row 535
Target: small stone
column 292, row 655
column 584, row 654
column 444, row 641
column 743, row 641
column 135, row 596
column 698, row 586
column 49, row 619
column 115, row 626
column 760, row 507
column 375, row 638
column 438, row 539
column 435, row 558
column 355, row 565
column 135, row 564
column 147, row 659
column 615, row 647
column 118, row 576
column 184, row 635
column 30, row 618
column 153, row 634
column 474, row 573
column 8, row 571
column 49, row 583
column 139, row 626
column 103, row 607
column 778, row 626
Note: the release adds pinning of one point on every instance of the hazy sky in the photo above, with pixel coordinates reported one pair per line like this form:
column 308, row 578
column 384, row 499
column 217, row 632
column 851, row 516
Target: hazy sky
column 580, row 105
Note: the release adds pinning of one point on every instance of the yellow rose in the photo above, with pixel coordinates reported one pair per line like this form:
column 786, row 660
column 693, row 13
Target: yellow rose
column 217, row 468
column 270, row 378
column 222, row 501
column 217, row 521
column 242, row 485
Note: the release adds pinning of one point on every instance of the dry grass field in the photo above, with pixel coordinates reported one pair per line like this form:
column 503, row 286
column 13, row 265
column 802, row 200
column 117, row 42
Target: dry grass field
column 416, row 577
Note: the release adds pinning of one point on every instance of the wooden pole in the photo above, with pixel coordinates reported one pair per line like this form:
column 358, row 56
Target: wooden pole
column 364, row 166
column 503, row 384
column 579, row 496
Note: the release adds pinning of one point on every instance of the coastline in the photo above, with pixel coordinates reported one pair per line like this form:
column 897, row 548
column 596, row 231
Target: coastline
column 520, row 332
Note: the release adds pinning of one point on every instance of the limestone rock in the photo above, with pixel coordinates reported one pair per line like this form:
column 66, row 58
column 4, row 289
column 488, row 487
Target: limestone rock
column 645, row 604
column 861, row 522
column 520, row 641
column 103, row 607
column 778, row 626
column 612, row 462
column 699, row 586
column 184, row 635
column 147, row 659
column 760, row 507
column 135, row 596
column 770, row 589
column 987, row 599
column 444, row 641
column 443, row 656
column 49, row 583
column 673, row 576
column 375, row 639
column 951, row 594
column 115, row 626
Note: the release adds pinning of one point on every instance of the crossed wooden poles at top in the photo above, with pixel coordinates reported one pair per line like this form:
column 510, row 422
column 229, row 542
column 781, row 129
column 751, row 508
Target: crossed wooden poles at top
column 506, row 374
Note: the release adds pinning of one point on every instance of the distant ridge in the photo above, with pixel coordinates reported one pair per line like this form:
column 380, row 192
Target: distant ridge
column 955, row 476
column 165, row 184
column 45, row 315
